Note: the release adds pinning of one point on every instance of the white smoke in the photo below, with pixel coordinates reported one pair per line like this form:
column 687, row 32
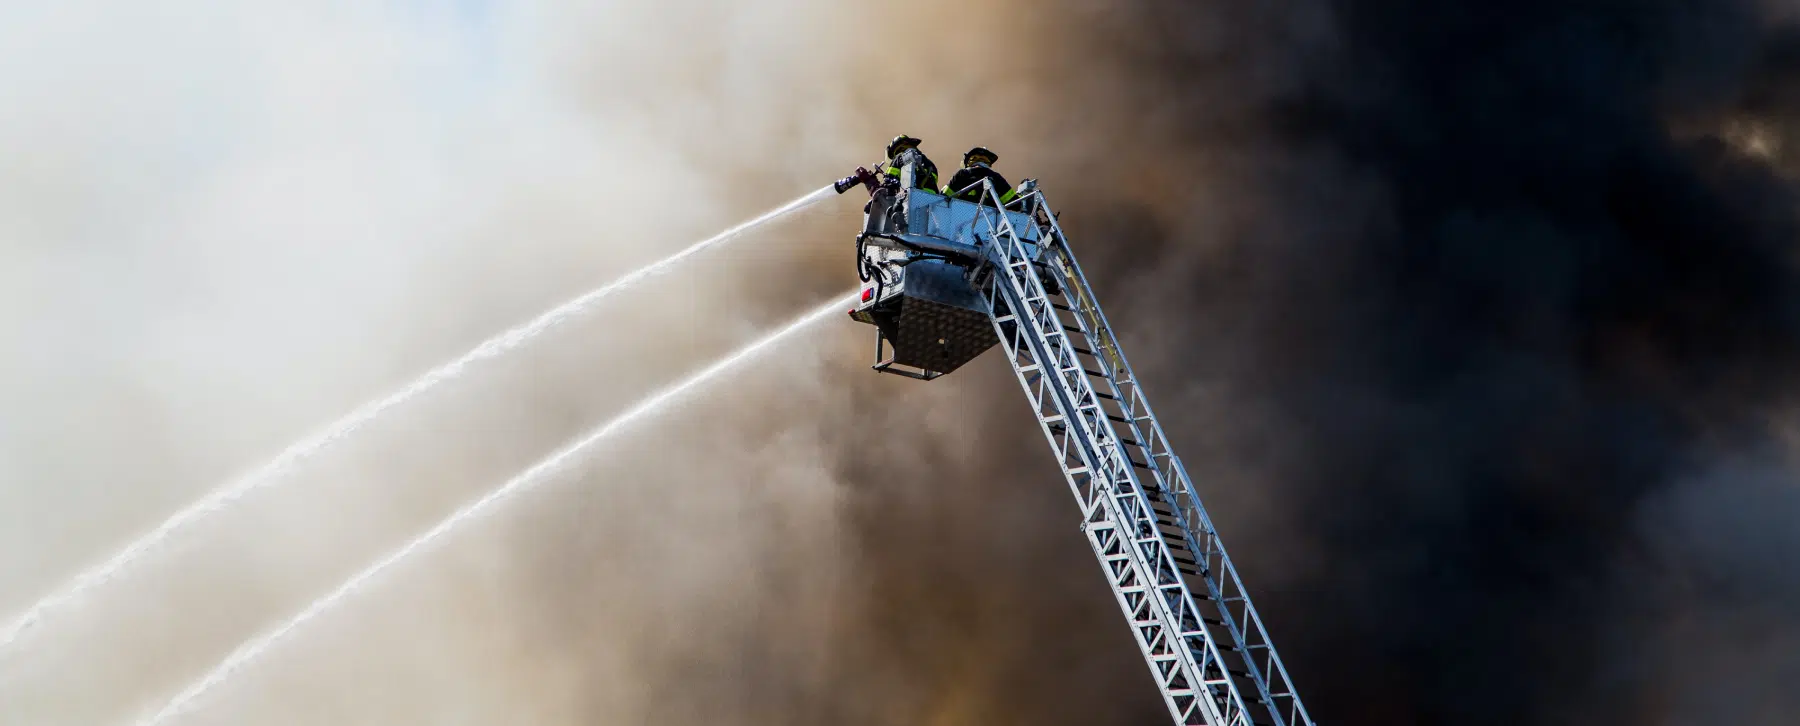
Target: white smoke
column 223, row 225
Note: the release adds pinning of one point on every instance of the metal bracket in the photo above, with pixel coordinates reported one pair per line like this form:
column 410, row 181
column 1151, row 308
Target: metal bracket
column 888, row 366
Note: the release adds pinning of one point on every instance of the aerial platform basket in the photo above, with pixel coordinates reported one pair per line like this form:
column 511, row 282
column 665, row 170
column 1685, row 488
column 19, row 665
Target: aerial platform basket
column 922, row 257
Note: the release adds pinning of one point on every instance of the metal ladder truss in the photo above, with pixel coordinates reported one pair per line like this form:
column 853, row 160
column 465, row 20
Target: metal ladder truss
column 1192, row 618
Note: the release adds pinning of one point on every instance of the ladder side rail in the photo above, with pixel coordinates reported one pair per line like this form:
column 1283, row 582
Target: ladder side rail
column 1123, row 386
column 1181, row 685
column 1165, row 475
column 1138, row 402
column 1108, row 372
column 1168, row 478
column 1022, row 281
column 1025, row 305
column 1004, row 231
column 1124, row 577
column 1254, row 634
column 1235, row 702
column 1159, row 438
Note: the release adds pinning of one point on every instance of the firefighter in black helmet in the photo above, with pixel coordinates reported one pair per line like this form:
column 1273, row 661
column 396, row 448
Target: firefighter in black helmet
column 977, row 165
column 904, row 150
column 884, row 212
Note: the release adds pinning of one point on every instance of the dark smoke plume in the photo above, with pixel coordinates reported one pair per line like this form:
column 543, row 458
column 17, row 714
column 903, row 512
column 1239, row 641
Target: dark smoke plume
column 1473, row 321
column 1485, row 313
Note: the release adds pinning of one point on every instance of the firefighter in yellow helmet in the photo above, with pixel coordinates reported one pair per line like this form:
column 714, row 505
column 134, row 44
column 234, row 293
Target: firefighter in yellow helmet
column 977, row 165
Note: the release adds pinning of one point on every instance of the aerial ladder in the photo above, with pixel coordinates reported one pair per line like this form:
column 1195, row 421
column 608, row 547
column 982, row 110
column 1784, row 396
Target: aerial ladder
column 944, row 279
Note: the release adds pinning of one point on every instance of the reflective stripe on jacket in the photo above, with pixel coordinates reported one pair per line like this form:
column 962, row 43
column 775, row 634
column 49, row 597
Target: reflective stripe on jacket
column 971, row 177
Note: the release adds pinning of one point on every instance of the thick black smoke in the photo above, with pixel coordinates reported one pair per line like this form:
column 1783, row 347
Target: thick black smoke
column 1496, row 300
column 1457, row 308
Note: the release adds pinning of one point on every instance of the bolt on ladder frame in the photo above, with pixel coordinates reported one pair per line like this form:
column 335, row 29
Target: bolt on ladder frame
column 1191, row 616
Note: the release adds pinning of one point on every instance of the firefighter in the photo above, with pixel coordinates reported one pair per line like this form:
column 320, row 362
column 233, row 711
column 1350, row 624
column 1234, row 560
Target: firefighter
column 901, row 151
column 884, row 212
column 977, row 165
column 904, row 150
